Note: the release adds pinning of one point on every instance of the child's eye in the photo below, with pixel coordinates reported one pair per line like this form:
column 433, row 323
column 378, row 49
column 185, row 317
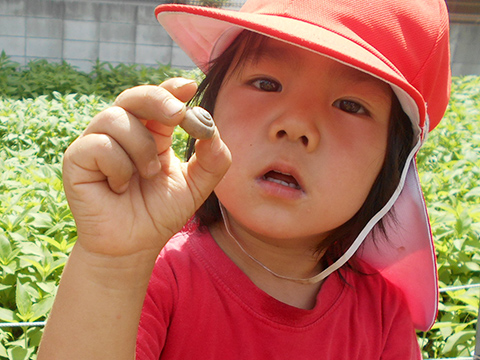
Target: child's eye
column 267, row 85
column 350, row 107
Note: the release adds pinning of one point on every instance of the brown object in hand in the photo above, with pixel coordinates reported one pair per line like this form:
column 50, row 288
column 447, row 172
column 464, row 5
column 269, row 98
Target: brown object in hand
column 198, row 123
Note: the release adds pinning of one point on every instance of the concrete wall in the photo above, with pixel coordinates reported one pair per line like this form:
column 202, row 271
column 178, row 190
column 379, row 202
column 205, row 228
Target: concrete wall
column 465, row 49
column 82, row 31
column 126, row 31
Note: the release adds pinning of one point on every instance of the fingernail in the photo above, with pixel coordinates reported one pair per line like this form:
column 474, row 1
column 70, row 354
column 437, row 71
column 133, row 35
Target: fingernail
column 173, row 107
column 180, row 82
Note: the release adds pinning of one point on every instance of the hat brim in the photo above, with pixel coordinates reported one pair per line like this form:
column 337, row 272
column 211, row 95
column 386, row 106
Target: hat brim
column 204, row 33
column 406, row 257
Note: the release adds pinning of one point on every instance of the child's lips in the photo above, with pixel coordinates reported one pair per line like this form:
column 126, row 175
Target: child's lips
column 282, row 178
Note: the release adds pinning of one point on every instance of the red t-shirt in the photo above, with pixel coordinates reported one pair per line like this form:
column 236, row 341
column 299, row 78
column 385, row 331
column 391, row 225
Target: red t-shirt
column 200, row 305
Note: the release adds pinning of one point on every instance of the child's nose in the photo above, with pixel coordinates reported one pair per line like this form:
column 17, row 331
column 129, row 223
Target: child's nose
column 296, row 126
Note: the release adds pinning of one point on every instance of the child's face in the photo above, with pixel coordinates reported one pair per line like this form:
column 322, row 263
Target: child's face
column 308, row 136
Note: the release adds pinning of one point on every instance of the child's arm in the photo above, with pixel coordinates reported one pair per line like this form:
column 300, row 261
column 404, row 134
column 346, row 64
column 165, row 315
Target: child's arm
column 127, row 202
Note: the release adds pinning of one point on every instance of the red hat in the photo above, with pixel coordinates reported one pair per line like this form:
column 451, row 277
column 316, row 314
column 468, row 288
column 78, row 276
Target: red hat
column 404, row 43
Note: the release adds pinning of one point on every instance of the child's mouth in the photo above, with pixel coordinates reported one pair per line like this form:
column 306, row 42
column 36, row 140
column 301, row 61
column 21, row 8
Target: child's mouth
column 282, row 179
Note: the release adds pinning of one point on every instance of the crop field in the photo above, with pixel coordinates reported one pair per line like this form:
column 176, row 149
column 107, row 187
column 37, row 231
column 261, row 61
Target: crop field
column 37, row 230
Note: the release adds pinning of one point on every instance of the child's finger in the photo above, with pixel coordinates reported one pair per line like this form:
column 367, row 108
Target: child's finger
column 160, row 107
column 98, row 158
column 207, row 166
column 183, row 89
column 163, row 103
column 137, row 142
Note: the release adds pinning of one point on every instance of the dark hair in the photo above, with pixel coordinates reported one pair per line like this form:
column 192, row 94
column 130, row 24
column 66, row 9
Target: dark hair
column 399, row 145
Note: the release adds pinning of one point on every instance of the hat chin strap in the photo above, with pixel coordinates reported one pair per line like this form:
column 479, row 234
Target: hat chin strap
column 311, row 280
column 373, row 221
column 355, row 245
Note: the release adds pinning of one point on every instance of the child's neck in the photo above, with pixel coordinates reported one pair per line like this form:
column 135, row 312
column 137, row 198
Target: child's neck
column 294, row 262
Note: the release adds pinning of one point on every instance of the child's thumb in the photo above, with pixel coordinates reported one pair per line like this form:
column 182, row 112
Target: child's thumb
column 207, row 166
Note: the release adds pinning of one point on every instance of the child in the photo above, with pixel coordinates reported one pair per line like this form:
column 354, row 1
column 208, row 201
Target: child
column 315, row 243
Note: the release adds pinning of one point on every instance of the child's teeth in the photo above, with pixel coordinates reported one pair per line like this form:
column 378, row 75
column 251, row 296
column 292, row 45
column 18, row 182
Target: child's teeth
column 284, row 183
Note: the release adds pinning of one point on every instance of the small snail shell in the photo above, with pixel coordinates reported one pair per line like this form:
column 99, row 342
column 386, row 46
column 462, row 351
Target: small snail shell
column 198, row 123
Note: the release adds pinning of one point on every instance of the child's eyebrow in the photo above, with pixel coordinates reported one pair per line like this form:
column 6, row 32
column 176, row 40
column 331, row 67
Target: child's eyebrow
column 270, row 51
column 275, row 52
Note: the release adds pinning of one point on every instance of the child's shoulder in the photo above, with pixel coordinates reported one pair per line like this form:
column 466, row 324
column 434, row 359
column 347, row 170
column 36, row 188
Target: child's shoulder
column 370, row 282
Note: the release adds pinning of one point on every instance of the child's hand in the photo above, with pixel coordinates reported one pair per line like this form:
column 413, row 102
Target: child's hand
column 129, row 194
column 126, row 189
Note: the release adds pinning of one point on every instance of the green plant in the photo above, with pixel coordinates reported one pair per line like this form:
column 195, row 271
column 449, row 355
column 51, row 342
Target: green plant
column 108, row 80
column 37, row 230
column 8, row 69
column 40, row 77
column 450, row 173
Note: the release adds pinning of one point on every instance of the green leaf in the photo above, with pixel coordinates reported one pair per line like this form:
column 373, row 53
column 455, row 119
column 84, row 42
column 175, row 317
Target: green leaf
column 18, row 353
column 475, row 193
column 5, row 247
column 41, row 308
column 7, row 315
column 41, row 220
column 3, row 351
column 457, row 338
column 23, row 302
